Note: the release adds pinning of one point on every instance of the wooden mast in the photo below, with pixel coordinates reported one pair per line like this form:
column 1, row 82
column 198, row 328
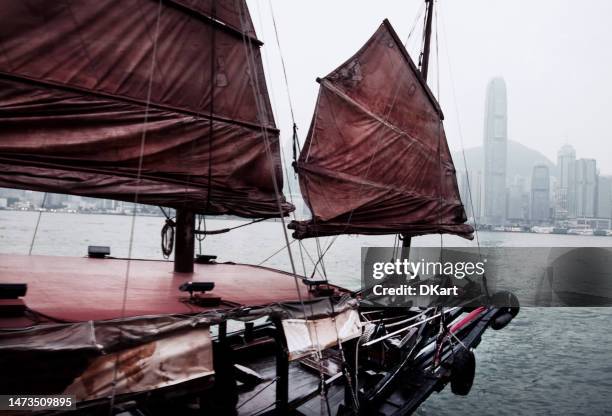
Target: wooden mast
column 185, row 217
column 424, row 69
column 427, row 39
column 185, row 241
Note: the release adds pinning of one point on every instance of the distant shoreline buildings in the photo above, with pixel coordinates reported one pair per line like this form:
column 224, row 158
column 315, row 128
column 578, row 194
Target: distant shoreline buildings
column 571, row 195
column 22, row 200
column 566, row 185
column 540, row 195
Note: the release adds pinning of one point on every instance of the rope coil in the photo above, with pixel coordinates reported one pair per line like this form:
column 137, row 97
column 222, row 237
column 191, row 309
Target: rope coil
column 167, row 238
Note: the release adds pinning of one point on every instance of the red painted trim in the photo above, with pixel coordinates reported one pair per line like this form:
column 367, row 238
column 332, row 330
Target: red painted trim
column 468, row 318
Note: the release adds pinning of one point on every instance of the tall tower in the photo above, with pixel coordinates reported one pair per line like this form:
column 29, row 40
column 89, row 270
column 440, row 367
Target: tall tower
column 566, row 191
column 586, row 188
column 540, row 194
column 604, row 196
column 495, row 148
column 517, row 201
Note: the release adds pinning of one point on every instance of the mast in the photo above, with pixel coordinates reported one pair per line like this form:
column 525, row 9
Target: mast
column 427, row 38
column 406, row 239
column 185, row 218
column 185, row 241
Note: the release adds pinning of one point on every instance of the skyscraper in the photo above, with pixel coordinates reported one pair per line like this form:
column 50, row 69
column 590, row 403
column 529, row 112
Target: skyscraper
column 540, row 194
column 586, row 187
column 566, row 185
column 55, row 200
column 517, row 201
column 604, row 197
column 495, row 148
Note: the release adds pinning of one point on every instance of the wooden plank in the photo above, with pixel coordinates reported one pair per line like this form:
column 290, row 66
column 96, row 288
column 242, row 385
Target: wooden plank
column 81, row 288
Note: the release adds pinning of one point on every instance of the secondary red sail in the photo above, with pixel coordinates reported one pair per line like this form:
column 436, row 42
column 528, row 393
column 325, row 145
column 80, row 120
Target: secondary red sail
column 89, row 87
column 376, row 160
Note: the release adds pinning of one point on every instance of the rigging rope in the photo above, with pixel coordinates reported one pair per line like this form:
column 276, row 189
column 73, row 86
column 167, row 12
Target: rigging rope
column 435, row 11
column 258, row 97
column 302, row 249
column 275, row 253
column 295, row 146
column 200, row 234
column 136, row 194
column 442, row 322
column 42, row 207
column 295, row 139
column 460, row 130
column 168, row 233
column 262, row 116
column 286, row 79
column 423, row 40
column 274, row 380
column 167, row 238
column 213, row 66
column 282, row 248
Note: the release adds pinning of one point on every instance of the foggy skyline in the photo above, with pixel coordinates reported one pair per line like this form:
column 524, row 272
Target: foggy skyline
column 553, row 54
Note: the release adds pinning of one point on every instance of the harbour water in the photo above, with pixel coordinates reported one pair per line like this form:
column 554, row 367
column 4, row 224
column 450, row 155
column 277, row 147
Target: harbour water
column 548, row 361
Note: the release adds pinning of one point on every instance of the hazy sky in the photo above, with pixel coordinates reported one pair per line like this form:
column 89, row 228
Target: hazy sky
column 555, row 55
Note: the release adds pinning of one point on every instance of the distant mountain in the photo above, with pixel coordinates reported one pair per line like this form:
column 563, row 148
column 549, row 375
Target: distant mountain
column 521, row 160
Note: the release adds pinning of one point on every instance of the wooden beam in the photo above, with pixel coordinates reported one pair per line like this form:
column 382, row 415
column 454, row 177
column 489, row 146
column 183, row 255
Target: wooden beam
column 427, row 40
column 184, row 242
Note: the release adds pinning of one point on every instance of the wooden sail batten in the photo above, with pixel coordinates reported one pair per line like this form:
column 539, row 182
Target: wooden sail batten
column 304, row 229
column 203, row 115
column 222, row 25
column 401, row 133
column 422, row 79
column 303, row 167
column 408, row 60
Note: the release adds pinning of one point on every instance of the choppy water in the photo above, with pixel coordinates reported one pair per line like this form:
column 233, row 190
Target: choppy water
column 548, row 361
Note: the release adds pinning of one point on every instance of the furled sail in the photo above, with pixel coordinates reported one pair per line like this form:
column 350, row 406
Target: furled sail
column 376, row 160
column 165, row 100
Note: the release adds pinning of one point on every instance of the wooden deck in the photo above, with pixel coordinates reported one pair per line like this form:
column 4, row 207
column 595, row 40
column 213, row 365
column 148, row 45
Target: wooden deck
column 81, row 288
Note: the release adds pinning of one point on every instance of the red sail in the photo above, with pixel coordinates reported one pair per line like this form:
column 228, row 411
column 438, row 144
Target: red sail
column 376, row 160
column 77, row 112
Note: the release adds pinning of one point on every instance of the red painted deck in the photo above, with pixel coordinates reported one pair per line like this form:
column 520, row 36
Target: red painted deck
column 81, row 288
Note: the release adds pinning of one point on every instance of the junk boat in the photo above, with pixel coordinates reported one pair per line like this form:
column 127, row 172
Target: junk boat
column 165, row 103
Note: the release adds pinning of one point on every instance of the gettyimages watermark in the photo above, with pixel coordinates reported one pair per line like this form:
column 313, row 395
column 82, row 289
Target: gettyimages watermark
column 537, row 276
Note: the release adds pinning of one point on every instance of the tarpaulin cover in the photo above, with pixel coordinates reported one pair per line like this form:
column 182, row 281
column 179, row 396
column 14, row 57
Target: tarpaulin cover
column 46, row 358
column 88, row 87
column 170, row 360
column 313, row 308
column 308, row 336
column 376, row 160
column 317, row 308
